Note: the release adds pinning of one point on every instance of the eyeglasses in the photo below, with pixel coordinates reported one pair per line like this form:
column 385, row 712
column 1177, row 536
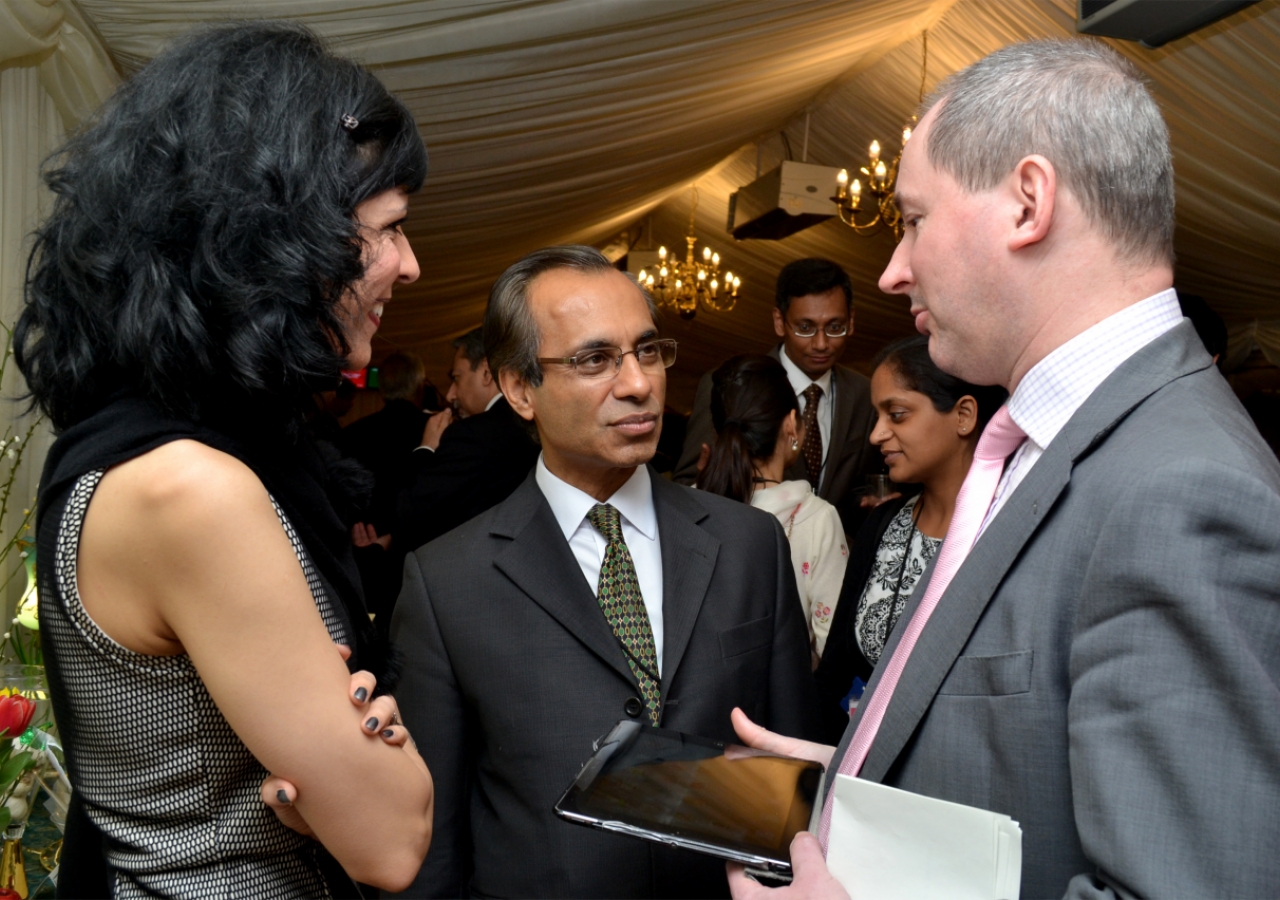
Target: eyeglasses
column 832, row 329
column 601, row 361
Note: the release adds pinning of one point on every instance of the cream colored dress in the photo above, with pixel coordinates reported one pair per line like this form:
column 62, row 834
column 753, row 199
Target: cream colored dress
column 819, row 551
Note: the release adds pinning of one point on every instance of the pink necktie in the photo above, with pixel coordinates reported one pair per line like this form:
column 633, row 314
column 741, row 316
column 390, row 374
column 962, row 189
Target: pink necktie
column 1001, row 437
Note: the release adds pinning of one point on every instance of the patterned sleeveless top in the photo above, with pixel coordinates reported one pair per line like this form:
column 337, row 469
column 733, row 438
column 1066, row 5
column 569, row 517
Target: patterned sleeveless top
column 161, row 773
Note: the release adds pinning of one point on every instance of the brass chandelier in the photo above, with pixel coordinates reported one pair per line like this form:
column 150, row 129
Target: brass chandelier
column 882, row 209
column 685, row 285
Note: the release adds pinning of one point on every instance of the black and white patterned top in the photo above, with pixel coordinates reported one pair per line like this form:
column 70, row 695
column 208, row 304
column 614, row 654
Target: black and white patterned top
column 891, row 582
column 161, row 773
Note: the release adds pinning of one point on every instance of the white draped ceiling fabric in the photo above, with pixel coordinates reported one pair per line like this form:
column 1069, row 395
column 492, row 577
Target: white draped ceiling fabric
column 577, row 120
column 550, row 121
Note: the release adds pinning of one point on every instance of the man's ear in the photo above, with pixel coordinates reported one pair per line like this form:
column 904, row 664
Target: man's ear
column 486, row 376
column 1034, row 186
column 518, row 393
column 779, row 323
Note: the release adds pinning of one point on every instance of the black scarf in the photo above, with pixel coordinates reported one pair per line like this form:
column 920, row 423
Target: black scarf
column 305, row 481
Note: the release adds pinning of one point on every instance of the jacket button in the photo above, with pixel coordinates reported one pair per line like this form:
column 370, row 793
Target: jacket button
column 633, row 707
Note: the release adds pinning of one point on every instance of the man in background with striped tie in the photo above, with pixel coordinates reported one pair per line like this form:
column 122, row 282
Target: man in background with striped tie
column 1097, row 650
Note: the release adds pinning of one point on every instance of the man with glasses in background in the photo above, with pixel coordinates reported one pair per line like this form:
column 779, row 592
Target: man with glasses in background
column 814, row 319
column 596, row 592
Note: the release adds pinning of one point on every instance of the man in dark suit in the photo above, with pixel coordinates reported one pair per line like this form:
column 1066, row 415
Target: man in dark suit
column 1095, row 651
column 474, row 462
column 814, row 318
column 598, row 591
column 384, row 440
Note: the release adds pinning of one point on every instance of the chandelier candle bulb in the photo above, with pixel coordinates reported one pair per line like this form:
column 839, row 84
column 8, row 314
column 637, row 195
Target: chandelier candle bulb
column 881, row 171
column 875, row 151
column 685, row 284
column 906, row 135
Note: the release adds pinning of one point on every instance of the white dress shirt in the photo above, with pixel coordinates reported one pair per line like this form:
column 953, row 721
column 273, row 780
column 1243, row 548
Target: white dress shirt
column 1049, row 395
column 800, row 382
column 634, row 500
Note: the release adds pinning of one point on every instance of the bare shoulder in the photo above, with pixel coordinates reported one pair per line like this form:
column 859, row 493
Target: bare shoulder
column 178, row 495
column 180, row 476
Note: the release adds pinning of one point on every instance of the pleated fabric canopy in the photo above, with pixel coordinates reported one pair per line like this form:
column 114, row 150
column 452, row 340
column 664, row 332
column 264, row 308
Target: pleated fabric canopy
column 556, row 121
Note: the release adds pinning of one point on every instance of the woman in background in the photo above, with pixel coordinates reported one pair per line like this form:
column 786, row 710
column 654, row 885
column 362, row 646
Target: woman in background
column 224, row 237
column 927, row 430
column 758, row 435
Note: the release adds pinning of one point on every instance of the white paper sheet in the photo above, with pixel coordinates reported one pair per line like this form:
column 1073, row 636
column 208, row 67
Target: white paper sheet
column 888, row 844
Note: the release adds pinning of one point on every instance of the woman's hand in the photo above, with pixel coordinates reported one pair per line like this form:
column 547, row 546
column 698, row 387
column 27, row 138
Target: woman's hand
column 753, row 735
column 379, row 717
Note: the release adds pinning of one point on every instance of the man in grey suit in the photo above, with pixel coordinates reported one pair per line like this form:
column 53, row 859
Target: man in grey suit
column 596, row 592
column 814, row 318
column 1104, row 665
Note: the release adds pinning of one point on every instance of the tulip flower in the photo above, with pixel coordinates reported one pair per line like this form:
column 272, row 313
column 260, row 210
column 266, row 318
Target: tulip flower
column 15, row 715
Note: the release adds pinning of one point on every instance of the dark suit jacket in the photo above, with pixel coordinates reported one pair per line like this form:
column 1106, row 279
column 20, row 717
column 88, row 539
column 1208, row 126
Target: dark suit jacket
column 1105, row 665
column 511, row 671
column 842, row 658
column 480, row 461
column 383, row 442
column 849, row 458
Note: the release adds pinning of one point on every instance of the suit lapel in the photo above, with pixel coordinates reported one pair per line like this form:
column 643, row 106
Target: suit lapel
column 539, row 562
column 1169, row 357
column 841, row 415
column 688, row 561
column 960, row 608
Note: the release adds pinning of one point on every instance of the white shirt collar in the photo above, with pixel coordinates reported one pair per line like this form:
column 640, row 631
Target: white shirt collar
column 571, row 505
column 1049, row 395
column 799, row 380
column 492, row 400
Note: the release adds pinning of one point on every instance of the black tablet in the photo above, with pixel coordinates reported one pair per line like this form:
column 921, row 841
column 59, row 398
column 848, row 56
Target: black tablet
column 684, row 791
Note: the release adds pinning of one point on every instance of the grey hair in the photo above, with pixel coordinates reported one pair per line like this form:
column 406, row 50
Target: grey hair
column 511, row 337
column 1083, row 107
column 472, row 346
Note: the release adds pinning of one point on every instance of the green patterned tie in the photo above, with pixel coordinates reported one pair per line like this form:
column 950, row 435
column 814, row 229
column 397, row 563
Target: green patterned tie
column 624, row 607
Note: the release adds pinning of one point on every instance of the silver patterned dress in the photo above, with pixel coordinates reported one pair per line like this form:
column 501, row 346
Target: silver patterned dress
column 162, row 775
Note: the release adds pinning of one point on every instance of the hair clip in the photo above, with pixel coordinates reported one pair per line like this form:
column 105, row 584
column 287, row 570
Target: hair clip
column 350, row 122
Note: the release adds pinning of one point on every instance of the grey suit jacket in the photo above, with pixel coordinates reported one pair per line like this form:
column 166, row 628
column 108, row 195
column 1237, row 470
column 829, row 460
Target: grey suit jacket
column 1105, row 665
column 512, row 671
column 849, row 458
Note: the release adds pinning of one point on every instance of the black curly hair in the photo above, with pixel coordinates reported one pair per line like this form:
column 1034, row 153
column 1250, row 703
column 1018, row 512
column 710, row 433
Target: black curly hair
column 202, row 233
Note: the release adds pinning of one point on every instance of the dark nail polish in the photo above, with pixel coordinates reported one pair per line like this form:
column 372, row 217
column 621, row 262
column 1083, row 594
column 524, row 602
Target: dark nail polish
column 389, row 733
column 372, row 724
column 282, row 796
column 362, row 694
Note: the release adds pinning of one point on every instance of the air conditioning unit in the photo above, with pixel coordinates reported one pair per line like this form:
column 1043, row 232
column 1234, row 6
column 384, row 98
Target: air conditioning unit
column 1151, row 23
column 791, row 198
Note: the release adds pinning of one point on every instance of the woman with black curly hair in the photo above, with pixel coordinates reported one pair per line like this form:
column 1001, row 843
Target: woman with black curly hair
column 224, row 237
